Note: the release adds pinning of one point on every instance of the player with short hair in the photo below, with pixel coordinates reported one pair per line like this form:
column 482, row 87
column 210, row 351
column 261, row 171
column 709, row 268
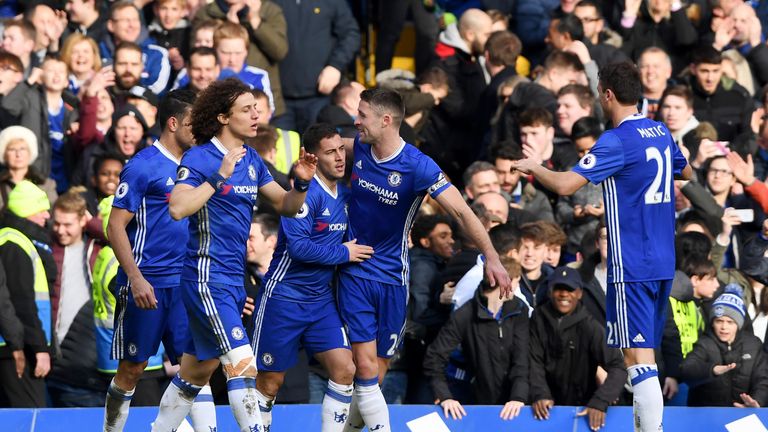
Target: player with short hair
column 149, row 245
column 297, row 305
column 636, row 163
column 390, row 179
column 217, row 185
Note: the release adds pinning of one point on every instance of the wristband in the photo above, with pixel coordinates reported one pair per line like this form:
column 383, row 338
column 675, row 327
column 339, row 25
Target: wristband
column 216, row 180
column 301, row 185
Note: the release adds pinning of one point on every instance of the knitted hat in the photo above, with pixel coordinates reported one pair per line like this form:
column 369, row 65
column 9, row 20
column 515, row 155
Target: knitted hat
column 730, row 304
column 27, row 199
column 13, row 133
column 105, row 209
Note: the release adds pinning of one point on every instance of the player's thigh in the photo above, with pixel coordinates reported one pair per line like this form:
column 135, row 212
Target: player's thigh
column 214, row 317
column 358, row 301
column 631, row 309
column 279, row 325
column 176, row 332
column 391, row 319
column 326, row 339
column 137, row 331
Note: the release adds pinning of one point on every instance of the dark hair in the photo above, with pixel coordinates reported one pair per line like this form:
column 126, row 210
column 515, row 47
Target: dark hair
column 99, row 161
column 698, row 266
column 265, row 139
column 474, row 168
column 507, row 152
column 563, row 60
column 555, row 234
column 203, row 51
column 504, row 238
column 269, row 223
column 536, row 116
column 591, row 3
column 125, row 45
column 503, row 48
column 535, row 231
column 385, row 101
column 582, row 93
column 689, row 245
column 316, row 133
column 436, row 76
column 27, row 28
column 623, row 79
column 260, row 94
column 570, row 24
column 340, row 91
column 11, row 61
column 706, row 54
column 586, row 127
column 217, row 98
column 175, row 104
column 120, row 5
column 680, row 91
column 424, row 225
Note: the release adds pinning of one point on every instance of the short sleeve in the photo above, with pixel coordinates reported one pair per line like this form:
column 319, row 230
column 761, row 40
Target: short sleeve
column 678, row 159
column 192, row 170
column 264, row 176
column 429, row 177
column 604, row 160
column 133, row 186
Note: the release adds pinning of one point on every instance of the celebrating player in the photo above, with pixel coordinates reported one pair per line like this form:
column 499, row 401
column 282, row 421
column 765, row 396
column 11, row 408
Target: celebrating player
column 389, row 181
column 636, row 163
column 217, row 185
column 149, row 246
column 297, row 304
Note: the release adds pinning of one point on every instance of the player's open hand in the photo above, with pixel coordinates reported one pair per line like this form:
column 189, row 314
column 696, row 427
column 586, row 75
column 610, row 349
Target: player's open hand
column 498, row 277
column 248, row 307
column 525, row 166
column 306, row 165
column 596, row 418
column 229, row 160
column 143, row 293
column 541, row 408
column 511, row 410
column 357, row 252
column 453, row 408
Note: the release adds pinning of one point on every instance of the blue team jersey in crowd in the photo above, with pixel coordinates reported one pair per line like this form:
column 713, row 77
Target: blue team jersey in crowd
column 386, row 195
column 218, row 232
column 309, row 245
column 636, row 163
column 156, row 239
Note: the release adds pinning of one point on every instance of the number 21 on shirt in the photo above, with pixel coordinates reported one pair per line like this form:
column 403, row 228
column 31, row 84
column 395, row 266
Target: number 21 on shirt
column 654, row 194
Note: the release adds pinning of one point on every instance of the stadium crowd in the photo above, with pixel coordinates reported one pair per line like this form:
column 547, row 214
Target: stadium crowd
column 494, row 81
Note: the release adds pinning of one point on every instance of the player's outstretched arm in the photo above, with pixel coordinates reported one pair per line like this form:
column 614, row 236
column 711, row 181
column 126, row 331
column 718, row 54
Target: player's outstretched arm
column 289, row 203
column 450, row 199
column 143, row 292
column 562, row 183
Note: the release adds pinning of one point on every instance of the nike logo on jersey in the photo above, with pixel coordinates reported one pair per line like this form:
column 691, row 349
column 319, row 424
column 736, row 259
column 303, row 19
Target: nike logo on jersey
column 326, row 212
column 638, row 339
column 169, row 182
column 359, row 164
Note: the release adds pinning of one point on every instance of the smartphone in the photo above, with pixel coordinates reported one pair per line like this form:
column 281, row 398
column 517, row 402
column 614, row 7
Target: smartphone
column 722, row 146
column 745, row 215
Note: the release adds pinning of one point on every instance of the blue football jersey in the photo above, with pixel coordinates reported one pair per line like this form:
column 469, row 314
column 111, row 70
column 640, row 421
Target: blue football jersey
column 309, row 246
column 386, row 195
column 156, row 239
column 636, row 162
column 218, row 232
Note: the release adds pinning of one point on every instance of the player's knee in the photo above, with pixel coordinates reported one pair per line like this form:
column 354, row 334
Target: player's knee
column 130, row 372
column 366, row 367
column 239, row 363
column 343, row 373
column 269, row 383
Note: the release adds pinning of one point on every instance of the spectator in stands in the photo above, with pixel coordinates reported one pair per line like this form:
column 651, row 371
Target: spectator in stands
column 743, row 34
column 288, row 143
column 24, row 247
column 658, row 25
column 18, row 151
column 676, row 111
column 19, row 40
column 267, row 32
column 727, row 366
column 49, row 26
column 744, row 172
column 202, row 69
column 170, row 29
column 567, row 347
column 655, row 67
column 728, row 108
column 533, row 251
column 574, row 102
column 594, row 270
column 146, row 103
column 202, row 33
column 321, row 50
column 603, row 43
column 493, row 333
column 523, row 195
column 85, row 17
column 342, row 110
column 74, row 380
column 11, row 338
column 496, row 207
column 81, row 54
column 501, row 52
column 262, row 240
column 103, row 183
column 231, row 43
column 125, row 25
column 129, row 68
column 11, row 74
column 265, row 143
column 556, row 240
column 391, row 24
column 480, row 177
column 537, row 136
column 580, row 213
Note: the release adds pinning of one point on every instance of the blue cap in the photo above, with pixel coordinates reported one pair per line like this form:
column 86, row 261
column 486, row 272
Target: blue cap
column 565, row 277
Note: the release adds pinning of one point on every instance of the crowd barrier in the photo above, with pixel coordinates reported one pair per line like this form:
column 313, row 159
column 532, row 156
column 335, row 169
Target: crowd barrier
column 306, row 418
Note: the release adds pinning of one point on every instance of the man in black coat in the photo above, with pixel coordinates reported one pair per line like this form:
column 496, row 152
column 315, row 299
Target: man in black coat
column 567, row 346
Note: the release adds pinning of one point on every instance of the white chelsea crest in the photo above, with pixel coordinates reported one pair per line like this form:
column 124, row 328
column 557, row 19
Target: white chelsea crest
column 252, row 172
column 394, row 179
